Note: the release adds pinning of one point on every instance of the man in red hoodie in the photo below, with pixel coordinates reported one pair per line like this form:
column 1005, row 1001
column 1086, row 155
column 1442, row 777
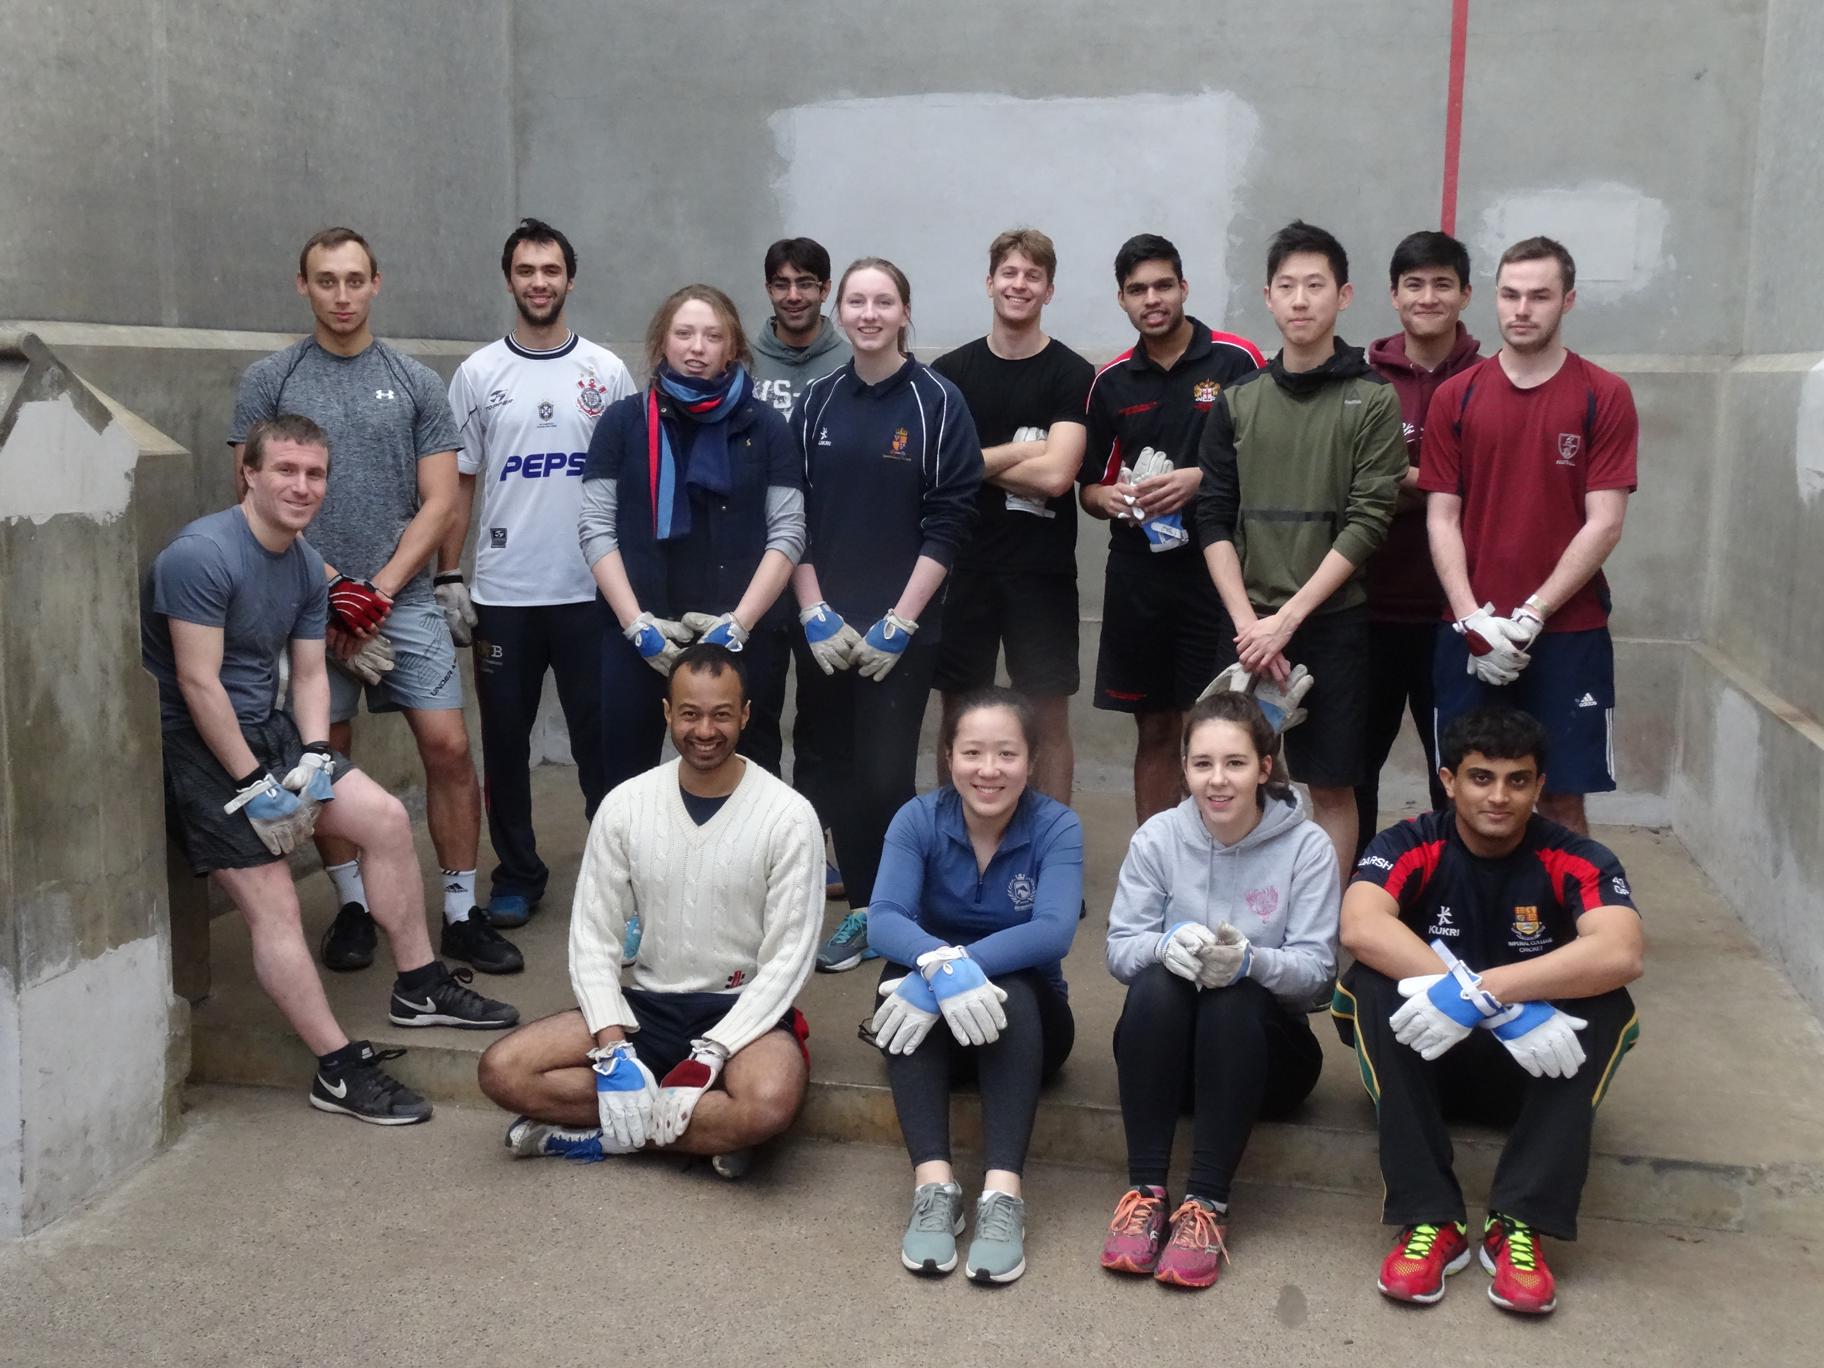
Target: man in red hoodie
column 1429, row 278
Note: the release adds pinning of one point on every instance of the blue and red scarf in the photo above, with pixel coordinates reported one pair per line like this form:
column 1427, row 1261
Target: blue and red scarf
column 707, row 403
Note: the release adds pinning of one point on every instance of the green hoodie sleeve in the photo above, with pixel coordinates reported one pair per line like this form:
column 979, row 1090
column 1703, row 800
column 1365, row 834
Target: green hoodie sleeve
column 1380, row 465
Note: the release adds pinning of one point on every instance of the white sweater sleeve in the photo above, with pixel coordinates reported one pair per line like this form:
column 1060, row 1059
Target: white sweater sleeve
column 598, row 918
column 793, row 917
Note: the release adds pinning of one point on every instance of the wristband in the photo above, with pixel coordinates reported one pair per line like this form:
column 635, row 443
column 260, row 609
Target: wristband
column 319, row 748
column 253, row 776
column 448, row 577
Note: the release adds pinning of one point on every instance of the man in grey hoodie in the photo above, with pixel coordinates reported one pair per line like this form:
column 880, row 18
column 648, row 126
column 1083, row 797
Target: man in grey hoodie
column 798, row 343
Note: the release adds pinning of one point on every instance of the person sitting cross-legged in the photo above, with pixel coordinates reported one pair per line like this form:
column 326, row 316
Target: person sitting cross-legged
column 703, row 1053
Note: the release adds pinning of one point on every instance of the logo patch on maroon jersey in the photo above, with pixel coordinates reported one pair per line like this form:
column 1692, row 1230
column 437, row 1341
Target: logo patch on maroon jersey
column 1569, row 444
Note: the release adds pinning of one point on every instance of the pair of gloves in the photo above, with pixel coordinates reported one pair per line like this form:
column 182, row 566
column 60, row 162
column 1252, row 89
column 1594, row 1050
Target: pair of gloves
column 1210, row 959
column 1498, row 645
column 358, row 608
column 1164, row 533
column 635, row 1108
column 660, row 640
column 948, row 984
column 1279, row 702
column 837, row 646
column 284, row 814
column 1442, row 1009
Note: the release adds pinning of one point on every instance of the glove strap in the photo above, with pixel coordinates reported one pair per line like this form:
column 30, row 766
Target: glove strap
column 932, row 961
column 448, row 577
column 259, row 786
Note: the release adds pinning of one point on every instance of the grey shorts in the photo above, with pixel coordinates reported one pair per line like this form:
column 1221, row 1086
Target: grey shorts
column 423, row 677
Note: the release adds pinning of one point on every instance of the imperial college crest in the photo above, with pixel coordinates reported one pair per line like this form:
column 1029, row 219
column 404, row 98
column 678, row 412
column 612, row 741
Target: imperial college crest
column 1526, row 922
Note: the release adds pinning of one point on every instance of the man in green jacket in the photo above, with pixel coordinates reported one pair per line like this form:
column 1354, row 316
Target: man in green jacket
column 1301, row 465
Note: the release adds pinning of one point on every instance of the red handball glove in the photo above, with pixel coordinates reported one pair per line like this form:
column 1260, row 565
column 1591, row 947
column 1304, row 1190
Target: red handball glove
column 358, row 606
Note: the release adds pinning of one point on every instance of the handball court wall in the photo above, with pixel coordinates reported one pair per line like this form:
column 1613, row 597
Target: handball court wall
column 161, row 163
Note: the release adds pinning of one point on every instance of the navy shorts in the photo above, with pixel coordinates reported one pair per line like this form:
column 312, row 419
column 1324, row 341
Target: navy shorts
column 670, row 1021
column 1569, row 687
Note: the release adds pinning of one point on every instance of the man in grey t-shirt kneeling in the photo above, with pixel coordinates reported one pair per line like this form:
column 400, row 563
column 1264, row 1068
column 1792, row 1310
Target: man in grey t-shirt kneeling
column 390, row 499
column 242, row 785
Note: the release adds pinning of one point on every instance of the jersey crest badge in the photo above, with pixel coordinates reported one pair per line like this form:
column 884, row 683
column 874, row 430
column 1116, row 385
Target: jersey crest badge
column 1021, row 891
column 1204, row 393
column 1569, row 444
column 592, row 399
column 736, row 979
column 1527, row 923
column 545, row 410
column 900, row 437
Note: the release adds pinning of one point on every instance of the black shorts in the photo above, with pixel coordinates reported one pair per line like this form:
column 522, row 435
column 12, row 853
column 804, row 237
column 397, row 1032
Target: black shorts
column 670, row 1021
column 197, row 788
column 1163, row 627
column 1034, row 614
column 1329, row 747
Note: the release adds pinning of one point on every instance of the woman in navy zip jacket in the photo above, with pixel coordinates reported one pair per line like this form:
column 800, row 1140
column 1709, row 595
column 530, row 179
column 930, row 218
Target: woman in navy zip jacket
column 977, row 899
column 891, row 465
column 693, row 517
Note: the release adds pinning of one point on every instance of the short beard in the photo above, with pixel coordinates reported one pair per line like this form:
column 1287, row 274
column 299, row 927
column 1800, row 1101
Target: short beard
column 1538, row 344
column 550, row 317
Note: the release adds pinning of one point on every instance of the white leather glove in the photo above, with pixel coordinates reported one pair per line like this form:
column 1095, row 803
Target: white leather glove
column 1527, row 621
column 1280, row 702
column 458, row 611
column 832, row 641
column 1225, row 961
column 1232, row 680
column 625, row 1091
column 907, row 1012
column 1181, row 948
column 682, row 1088
column 717, row 629
column 658, row 640
column 1541, row 1038
column 970, row 1004
column 314, row 774
column 1497, row 648
column 374, row 659
column 1441, row 1009
column 282, row 820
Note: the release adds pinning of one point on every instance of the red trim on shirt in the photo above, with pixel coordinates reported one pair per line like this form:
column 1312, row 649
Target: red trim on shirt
column 1562, row 864
column 1237, row 340
column 1421, row 860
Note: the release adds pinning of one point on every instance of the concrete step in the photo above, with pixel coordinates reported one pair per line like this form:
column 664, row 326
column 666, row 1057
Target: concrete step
column 1711, row 1123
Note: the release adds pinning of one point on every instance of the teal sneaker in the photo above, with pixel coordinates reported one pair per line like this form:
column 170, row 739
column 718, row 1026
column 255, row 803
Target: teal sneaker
column 847, row 945
column 997, row 1254
column 937, row 1219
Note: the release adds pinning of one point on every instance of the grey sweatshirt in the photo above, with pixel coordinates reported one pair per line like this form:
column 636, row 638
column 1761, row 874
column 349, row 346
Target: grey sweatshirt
column 1278, row 886
column 781, row 372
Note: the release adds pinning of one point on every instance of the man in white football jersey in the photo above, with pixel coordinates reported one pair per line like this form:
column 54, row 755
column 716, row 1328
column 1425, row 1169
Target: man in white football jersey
column 526, row 406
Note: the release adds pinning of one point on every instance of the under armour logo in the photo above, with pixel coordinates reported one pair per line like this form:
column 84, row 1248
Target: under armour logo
column 383, row 394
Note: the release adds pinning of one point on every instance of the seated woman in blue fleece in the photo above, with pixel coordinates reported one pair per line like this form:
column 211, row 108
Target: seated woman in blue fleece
column 974, row 908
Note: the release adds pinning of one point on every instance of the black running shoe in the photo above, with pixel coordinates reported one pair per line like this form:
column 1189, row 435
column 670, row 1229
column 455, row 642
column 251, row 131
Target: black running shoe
column 474, row 940
column 349, row 942
column 368, row 1092
column 450, row 1002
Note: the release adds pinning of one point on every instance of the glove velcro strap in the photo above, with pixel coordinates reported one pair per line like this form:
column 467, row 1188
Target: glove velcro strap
column 448, row 577
column 264, row 786
column 1517, row 1020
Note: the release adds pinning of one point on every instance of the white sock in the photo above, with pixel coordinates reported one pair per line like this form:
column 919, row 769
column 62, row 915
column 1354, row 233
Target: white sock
column 347, row 879
column 458, row 894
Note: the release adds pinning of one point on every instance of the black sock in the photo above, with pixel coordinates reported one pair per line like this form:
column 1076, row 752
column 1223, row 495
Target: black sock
column 423, row 976
column 337, row 1060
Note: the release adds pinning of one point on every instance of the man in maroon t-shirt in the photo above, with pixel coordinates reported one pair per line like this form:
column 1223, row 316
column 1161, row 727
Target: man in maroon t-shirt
column 1529, row 459
column 1429, row 283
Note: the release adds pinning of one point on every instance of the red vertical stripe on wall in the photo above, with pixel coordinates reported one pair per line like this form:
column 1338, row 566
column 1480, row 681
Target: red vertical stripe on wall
column 1453, row 114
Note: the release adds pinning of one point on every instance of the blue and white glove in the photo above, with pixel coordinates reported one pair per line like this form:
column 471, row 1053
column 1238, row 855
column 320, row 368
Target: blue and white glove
column 1226, row 959
column 1181, row 948
column 1542, row 1039
column 714, row 630
column 832, row 641
column 1164, row 533
column 970, row 1004
column 280, row 818
column 311, row 778
column 682, row 1088
column 884, row 644
column 625, row 1091
column 1442, row 1009
column 658, row 640
column 1279, row 703
column 907, row 1012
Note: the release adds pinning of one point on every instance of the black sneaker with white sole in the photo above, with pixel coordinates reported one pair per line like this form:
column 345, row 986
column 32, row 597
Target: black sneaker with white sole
column 474, row 940
column 349, row 942
column 368, row 1092
column 449, row 1001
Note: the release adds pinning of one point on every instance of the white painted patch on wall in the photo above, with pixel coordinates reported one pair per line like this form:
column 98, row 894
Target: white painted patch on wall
column 55, row 463
column 1615, row 234
column 1810, row 443
column 928, row 180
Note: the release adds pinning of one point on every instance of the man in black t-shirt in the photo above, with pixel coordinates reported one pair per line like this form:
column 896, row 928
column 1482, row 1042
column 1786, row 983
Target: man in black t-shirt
column 1515, row 1015
column 1015, row 580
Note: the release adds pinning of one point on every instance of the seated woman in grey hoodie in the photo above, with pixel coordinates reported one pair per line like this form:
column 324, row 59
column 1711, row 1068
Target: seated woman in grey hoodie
column 1224, row 928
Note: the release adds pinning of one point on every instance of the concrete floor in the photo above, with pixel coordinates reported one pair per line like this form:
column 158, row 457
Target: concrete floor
column 272, row 1235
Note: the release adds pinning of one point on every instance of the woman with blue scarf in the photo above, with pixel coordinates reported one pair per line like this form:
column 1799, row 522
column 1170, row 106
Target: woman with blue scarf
column 693, row 517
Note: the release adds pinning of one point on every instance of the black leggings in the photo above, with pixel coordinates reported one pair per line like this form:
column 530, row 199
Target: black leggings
column 1040, row 1031
column 1239, row 1054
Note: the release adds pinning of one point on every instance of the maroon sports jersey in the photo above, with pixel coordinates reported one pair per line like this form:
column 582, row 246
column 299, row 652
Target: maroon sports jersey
column 1522, row 460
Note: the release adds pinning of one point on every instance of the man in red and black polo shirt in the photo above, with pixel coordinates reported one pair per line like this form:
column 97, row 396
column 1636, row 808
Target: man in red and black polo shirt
column 1529, row 460
column 1492, row 951
column 1163, row 626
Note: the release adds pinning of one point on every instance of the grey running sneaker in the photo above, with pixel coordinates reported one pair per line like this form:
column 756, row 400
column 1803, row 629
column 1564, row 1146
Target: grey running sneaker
column 937, row 1219
column 529, row 1139
column 997, row 1254
column 847, row 945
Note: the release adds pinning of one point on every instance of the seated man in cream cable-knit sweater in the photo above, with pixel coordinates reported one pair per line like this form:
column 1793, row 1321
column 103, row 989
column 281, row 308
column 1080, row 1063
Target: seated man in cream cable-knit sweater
column 703, row 1053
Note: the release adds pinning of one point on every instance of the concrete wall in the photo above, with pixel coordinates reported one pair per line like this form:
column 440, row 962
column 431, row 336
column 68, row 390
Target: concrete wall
column 86, row 1011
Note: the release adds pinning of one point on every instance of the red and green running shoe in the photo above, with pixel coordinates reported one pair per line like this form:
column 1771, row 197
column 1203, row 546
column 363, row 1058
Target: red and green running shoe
column 1425, row 1254
column 1510, row 1250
